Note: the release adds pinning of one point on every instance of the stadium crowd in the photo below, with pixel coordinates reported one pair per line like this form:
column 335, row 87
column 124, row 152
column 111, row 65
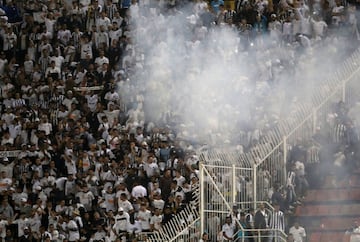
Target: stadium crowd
column 80, row 161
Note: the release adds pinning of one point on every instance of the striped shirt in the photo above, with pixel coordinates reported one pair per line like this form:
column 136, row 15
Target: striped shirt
column 312, row 154
column 58, row 99
column 338, row 133
column 77, row 37
column 19, row 102
column 277, row 220
column 110, row 10
column 44, row 63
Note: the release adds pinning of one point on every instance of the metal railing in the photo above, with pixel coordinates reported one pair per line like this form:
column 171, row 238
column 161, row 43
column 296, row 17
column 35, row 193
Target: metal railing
column 265, row 163
column 223, row 189
column 184, row 225
column 231, row 177
column 259, row 235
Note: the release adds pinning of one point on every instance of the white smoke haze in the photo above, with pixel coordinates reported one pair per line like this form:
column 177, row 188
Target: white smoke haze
column 211, row 85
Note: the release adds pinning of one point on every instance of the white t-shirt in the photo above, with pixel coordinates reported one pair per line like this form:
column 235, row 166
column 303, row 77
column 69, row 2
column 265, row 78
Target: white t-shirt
column 126, row 205
column 99, row 61
column 228, row 229
column 109, row 202
column 74, row 234
column 158, row 203
column 59, row 60
column 139, row 191
column 86, row 51
column 287, row 28
column 297, row 233
column 47, row 127
column 156, row 221
column 121, row 222
column 319, row 28
column 3, row 224
column 49, row 23
column 86, row 198
column 144, row 218
column 22, row 223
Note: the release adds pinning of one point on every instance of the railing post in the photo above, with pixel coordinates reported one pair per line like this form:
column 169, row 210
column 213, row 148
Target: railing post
column 202, row 199
column 233, row 184
column 255, row 185
column 285, row 156
column 314, row 121
column 343, row 91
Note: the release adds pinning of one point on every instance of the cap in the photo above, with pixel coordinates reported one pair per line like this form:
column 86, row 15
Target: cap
column 121, row 209
column 23, row 199
column 37, row 120
column 76, row 212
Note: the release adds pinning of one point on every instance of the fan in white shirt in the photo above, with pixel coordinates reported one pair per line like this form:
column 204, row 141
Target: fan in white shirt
column 156, row 220
column 144, row 216
column 138, row 191
column 125, row 204
column 122, row 222
column 86, row 197
column 99, row 61
column 179, row 178
column 103, row 21
column 298, row 233
column 3, row 224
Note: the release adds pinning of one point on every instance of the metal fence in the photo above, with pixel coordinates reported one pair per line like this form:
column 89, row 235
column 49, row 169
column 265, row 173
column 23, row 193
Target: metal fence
column 184, row 226
column 229, row 177
column 227, row 191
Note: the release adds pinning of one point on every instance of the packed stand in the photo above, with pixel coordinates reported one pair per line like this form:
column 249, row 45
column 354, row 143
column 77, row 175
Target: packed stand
column 81, row 161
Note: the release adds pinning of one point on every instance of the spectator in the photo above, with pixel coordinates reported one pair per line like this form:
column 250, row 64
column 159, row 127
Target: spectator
column 261, row 221
column 298, row 233
column 276, row 222
column 228, row 229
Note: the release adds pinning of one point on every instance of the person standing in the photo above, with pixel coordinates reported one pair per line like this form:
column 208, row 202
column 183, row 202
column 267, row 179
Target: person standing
column 250, row 217
column 298, row 233
column 277, row 223
column 228, row 229
column 261, row 222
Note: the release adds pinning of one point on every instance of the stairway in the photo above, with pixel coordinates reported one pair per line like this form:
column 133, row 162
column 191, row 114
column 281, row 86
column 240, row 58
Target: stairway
column 327, row 212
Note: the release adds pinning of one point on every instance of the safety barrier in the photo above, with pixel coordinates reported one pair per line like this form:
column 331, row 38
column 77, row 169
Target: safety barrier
column 183, row 226
column 265, row 163
column 231, row 177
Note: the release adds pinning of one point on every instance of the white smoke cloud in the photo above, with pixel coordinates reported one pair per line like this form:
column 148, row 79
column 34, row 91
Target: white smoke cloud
column 211, row 84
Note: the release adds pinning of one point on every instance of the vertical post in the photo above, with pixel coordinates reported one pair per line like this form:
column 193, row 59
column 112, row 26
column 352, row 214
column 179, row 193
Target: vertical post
column 255, row 185
column 314, row 120
column 343, row 96
column 233, row 184
column 285, row 156
column 202, row 199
